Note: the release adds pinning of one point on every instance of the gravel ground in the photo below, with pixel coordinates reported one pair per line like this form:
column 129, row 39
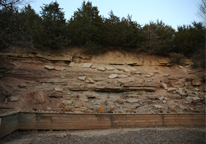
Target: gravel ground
column 113, row 136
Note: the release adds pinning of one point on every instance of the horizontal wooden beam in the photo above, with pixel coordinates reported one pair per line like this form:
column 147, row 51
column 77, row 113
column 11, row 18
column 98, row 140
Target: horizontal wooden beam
column 72, row 121
column 60, row 121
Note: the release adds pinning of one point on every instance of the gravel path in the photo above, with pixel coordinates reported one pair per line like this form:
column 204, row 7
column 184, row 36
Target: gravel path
column 114, row 136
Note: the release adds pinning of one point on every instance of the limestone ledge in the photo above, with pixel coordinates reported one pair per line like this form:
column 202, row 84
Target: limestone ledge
column 110, row 88
column 38, row 55
column 152, row 61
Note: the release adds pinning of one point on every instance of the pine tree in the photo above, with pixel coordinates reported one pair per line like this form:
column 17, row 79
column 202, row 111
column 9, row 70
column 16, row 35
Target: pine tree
column 157, row 38
column 11, row 24
column 53, row 32
column 112, row 30
column 188, row 39
column 31, row 26
column 86, row 25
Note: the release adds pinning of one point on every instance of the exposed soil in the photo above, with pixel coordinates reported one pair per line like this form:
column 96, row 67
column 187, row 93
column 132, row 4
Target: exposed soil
column 27, row 85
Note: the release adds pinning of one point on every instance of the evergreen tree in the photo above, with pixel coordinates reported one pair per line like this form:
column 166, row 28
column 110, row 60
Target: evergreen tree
column 10, row 24
column 188, row 39
column 157, row 38
column 53, row 32
column 8, row 20
column 112, row 30
column 121, row 33
column 31, row 25
column 86, row 26
column 130, row 32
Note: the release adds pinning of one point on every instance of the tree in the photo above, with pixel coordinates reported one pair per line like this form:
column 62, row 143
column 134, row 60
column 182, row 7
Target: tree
column 86, row 25
column 188, row 39
column 11, row 23
column 31, row 25
column 132, row 34
column 9, row 4
column 157, row 38
column 202, row 10
column 112, row 30
column 53, row 33
column 123, row 33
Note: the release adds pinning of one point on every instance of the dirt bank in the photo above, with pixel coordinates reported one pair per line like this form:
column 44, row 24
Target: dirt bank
column 114, row 82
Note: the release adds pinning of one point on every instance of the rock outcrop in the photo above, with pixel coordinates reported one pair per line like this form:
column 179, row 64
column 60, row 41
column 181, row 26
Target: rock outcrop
column 90, row 84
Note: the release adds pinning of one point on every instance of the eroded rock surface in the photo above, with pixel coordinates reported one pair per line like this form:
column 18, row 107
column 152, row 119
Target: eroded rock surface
column 91, row 85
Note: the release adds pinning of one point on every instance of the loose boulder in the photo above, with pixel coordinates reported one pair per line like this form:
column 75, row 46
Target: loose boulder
column 126, row 70
column 87, row 65
column 113, row 76
column 71, row 64
column 171, row 89
column 101, row 69
column 158, row 106
column 112, row 108
column 100, row 110
column 109, row 68
column 22, row 85
column 81, row 78
column 58, row 89
column 14, row 99
column 120, row 101
column 55, row 95
column 166, row 75
column 49, row 67
column 196, row 99
column 90, row 80
column 148, row 76
column 163, row 85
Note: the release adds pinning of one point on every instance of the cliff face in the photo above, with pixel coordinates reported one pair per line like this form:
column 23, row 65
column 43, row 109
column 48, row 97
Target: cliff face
column 113, row 82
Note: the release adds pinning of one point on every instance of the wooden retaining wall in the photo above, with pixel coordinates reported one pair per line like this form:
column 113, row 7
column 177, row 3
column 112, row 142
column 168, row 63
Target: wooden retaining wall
column 68, row 121
column 58, row 121
column 8, row 123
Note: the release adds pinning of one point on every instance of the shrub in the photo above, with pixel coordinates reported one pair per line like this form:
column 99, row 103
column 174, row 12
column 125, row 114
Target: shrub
column 198, row 63
column 198, row 58
column 93, row 48
column 177, row 59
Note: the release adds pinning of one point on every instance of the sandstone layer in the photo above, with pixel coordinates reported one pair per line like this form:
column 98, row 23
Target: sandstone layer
column 109, row 83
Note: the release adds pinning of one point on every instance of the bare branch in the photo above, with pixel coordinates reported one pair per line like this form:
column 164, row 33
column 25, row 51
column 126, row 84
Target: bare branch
column 202, row 10
column 8, row 4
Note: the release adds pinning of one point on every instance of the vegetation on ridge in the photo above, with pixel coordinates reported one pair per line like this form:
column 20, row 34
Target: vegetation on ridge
column 89, row 30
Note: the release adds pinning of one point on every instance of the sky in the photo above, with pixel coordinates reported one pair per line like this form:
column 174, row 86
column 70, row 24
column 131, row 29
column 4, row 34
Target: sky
column 172, row 12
